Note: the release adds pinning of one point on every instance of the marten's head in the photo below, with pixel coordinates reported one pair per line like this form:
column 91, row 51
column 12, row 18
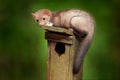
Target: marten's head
column 42, row 17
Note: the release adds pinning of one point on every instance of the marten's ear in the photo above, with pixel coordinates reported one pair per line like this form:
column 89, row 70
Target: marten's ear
column 47, row 12
column 33, row 14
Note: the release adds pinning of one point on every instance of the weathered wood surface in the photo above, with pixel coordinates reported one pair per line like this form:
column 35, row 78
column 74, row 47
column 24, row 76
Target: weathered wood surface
column 59, row 37
column 58, row 30
column 59, row 67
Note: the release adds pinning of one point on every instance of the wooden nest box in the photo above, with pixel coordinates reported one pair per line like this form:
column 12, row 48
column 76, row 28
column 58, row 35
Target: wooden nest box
column 62, row 46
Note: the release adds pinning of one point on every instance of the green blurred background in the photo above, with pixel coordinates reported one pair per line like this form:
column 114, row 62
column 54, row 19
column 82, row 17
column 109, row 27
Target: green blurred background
column 23, row 49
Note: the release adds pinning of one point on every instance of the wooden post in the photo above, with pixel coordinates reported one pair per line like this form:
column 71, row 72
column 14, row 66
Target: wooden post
column 62, row 46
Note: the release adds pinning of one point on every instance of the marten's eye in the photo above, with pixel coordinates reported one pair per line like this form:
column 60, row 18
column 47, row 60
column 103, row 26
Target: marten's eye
column 43, row 18
column 37, row 20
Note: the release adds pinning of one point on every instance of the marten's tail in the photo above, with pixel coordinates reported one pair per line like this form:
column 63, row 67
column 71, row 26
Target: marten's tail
column 83, row 28
column 82, row 50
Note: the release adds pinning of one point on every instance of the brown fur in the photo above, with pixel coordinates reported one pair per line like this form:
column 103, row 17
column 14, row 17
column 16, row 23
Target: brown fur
column 81, row 23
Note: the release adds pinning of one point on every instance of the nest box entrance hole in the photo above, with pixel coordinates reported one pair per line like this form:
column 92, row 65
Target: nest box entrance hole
column 60, row 48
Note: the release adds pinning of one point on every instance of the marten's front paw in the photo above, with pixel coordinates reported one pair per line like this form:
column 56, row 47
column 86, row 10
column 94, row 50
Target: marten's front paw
column 70, row 29
column 49, row 24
